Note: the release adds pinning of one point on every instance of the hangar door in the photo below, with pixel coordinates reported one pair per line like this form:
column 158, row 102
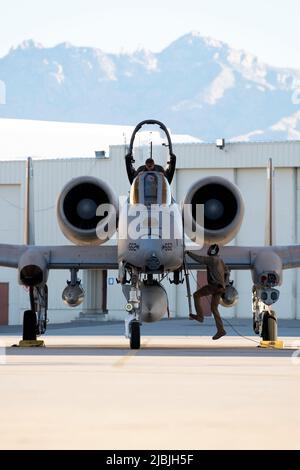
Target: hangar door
column 4, row 303
column 11, row 215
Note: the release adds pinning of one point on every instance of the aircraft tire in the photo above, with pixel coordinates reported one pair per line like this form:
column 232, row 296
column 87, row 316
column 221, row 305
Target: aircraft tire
column 135, row 335
column 269, row 328
column 29, row 326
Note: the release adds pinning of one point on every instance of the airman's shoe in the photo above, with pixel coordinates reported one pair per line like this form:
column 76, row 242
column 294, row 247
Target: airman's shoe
column 219, row 334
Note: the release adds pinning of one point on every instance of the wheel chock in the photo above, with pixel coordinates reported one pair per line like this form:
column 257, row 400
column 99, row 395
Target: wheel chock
column 271, row 344
column 31, row 344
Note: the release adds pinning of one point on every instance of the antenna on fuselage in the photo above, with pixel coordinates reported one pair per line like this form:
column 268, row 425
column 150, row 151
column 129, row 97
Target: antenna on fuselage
column 125, row 143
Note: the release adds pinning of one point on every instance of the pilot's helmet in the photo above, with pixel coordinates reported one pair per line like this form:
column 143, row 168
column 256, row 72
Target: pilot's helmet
column 150, row 162
column 213, row 250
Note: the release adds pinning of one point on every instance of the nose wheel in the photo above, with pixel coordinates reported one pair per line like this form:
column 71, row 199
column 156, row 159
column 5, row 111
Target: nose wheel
column 135, row 334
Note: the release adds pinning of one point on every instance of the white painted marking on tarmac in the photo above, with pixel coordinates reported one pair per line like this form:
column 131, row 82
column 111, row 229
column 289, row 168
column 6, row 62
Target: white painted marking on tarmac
column 2, row 353
column 296, row 358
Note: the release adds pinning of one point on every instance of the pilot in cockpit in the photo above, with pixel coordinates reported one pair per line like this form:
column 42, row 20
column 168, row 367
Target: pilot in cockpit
column 150, row 165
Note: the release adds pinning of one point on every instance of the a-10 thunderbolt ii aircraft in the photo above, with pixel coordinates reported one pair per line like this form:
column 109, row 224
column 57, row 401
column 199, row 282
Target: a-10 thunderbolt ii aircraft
column 145, row 251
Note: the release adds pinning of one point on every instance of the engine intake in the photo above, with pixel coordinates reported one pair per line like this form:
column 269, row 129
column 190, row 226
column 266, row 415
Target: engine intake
column 223, row 211
column 33, row 268
column 78, row 211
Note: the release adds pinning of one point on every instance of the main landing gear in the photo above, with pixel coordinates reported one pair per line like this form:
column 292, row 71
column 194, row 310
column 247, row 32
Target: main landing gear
column 265, row 323
column 35, row 319
column 29, row 325
column 269, row 326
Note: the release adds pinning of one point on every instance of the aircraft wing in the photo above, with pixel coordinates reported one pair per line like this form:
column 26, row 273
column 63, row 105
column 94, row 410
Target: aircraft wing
column 290, row 256
column 10, row 255
column 243, row 258
column 105, row 257
column 63, row 257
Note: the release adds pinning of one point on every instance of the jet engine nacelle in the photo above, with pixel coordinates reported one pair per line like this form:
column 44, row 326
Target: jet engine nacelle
column 154, row 303
column 87, row 211
column 223, row 211
column 33, row 268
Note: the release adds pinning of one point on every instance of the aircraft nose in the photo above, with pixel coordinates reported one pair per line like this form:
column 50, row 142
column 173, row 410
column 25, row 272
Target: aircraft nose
column 153, row 262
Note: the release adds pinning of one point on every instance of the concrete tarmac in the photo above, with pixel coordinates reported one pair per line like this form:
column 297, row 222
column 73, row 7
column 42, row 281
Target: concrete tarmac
column 87, row 390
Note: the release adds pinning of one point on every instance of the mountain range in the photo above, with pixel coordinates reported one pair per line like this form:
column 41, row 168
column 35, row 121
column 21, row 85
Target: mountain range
column 197, row 85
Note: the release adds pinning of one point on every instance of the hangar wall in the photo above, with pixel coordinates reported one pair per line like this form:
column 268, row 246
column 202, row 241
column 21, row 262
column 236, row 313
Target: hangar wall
column 242, row 163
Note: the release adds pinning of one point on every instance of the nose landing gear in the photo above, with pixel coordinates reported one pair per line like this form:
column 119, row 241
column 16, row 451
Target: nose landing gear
column 135, row 334
column 132, row 321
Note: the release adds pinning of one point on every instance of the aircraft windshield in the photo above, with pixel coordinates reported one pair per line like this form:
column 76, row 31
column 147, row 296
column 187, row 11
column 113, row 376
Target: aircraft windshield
column 150, row 188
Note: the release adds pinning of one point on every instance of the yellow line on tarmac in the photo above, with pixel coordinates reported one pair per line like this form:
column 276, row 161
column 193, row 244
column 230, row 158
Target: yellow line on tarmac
column 123, row 360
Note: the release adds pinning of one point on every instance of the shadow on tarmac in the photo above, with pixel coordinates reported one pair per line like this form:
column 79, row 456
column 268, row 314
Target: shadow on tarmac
column 172, row 327
column 149, row 351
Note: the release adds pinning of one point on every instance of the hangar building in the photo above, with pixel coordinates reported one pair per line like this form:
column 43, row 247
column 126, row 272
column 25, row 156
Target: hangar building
column 242, row 163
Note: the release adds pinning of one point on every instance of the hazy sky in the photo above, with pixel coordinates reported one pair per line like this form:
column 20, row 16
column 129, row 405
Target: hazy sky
column 268, row 28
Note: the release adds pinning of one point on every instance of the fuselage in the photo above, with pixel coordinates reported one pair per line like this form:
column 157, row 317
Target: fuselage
column 150, row 233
